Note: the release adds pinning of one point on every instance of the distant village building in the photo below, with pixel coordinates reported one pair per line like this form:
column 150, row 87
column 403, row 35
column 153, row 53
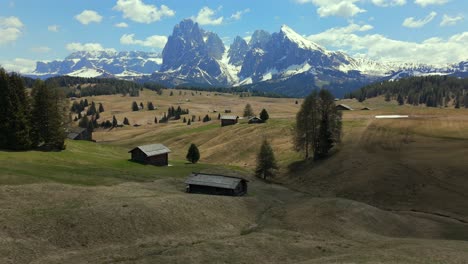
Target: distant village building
column 229, row 120
column 216, row 184
column 154, row 154
column 78, row 133
column 255, row 120
column 343, row 107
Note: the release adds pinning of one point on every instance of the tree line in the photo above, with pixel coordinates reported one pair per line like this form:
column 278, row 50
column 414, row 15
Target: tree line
column 31, row 120
column 432, row 91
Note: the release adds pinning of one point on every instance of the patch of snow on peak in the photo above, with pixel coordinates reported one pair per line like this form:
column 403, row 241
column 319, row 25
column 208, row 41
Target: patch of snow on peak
column 85, row 73
column 302, row 42
column 230, row 71
column 296, row 69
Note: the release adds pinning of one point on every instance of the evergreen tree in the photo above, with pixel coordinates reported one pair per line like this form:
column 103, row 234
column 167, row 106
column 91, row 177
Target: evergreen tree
column 266, row 162
column 150, row 106
column 193, row 154
column 171, row 94
column 135, row 106
column 219, row 116
column 388, row 97
column 189, row 122
column 264, row 115
column 92, row 109
column 114, row 121
column 84, row 122
column 457, row 102
column 85, row 103
column 185, row 120
column 155, row 120
column 101, row 108
column 465, row 103
column 141, row 105
column 126, row 122
column 248, row 110
column 400, row 100
column 297, row 102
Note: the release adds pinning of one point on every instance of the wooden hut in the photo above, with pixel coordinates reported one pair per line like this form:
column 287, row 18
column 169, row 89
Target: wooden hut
column 343, row 107
column 154, row 154
column 216, row 184
column 228, row 120
column 366, row 108
column 78, row 133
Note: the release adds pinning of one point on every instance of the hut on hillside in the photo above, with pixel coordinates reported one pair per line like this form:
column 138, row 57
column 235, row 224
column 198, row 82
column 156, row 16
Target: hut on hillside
column 154, row 154
column 78, row 133
column 343, row 107
column 366, row 108
column 255, row 120
column 216, row 184
column 229, row 120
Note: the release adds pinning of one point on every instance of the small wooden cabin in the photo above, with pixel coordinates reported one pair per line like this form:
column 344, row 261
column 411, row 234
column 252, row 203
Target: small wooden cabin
column 229, row 120
column 255, row 120
column 216, row 184
column 154, row 154
column 343, row 107
column 78, row 133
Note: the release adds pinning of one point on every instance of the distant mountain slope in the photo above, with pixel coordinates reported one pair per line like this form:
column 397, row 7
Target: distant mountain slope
column 283, row 62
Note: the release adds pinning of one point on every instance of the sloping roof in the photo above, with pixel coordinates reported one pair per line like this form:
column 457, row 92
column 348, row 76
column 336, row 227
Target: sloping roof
column 153, row 149
column 229, row 117
column 345, row 106
column 255, row 118
column 220, row 181
column 74, row 132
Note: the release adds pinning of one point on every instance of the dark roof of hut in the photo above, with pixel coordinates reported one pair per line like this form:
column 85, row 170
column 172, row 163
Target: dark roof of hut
column 74, row 132
column 345, row 106
column 212, row 180
column 226, row 117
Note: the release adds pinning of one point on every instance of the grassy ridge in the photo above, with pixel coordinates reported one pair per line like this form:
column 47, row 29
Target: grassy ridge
column 84, row 163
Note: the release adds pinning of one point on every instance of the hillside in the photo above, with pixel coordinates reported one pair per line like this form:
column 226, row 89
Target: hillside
column 394, row 191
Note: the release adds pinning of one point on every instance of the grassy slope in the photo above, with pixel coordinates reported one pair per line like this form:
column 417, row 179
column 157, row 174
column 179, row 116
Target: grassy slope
column 382, row 163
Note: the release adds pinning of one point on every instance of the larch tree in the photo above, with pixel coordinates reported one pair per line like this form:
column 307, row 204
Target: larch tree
column 193, row 154
column 248, row 111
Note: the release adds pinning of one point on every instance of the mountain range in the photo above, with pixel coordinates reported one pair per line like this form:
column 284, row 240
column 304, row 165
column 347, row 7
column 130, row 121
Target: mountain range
column 283, row 62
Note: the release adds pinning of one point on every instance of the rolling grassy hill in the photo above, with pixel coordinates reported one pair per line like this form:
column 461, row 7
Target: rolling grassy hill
column 393, row 192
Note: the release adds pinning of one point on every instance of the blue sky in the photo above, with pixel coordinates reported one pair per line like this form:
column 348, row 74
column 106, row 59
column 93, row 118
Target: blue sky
column 427, row 31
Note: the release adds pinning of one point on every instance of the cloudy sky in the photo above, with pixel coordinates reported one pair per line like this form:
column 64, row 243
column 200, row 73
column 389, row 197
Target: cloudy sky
column 425, row 31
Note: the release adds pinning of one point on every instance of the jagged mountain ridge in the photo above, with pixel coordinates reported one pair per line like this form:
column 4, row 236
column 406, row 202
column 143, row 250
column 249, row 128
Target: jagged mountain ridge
column 283, row 61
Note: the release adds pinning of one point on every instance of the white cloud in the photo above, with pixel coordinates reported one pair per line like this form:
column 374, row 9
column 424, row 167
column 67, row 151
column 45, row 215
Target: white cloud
column 425, row 3
column 341, row 8
column 411, row 22
column 151, row 41
column 88, row 16
column 10, row 29
column 19, row 65
column 138, row 11
column 89, row 47
column 205, row 17
column 378, row 47
column 385, row 3
column 53, row 28
column 450, row 21
column 121, row 25
column 43, row 49
column 238, row 14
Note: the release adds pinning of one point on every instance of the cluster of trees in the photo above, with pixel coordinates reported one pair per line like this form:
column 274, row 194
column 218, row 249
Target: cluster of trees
column 318, row 125
column 81, row 87
column 136, row 107
column 248, row 112
column 31, row 121
column 240, row 91
column 432, row 91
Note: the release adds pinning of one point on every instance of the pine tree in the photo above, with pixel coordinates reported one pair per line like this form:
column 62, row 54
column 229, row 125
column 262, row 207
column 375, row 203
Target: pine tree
column 297, row 102
column 135, row 106
column 264, row 115
column 91, row 109
column 114, row 122
column 155, row 120
column 150, row 106
column 400, row 100
column 84, row 122
column 219, row 116
column 189, row 122
column 465, row 102
column 193, row 154
column 126, row 122
column 185, row 120
column 266, row 162
column 101, row 108
column 248, row 110
column 171, row 94
column 141, row 105
column 85, row 103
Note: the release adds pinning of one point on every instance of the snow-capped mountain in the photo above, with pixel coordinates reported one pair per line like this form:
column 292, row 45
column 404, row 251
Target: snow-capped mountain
column 283, row 62
column 101, row 64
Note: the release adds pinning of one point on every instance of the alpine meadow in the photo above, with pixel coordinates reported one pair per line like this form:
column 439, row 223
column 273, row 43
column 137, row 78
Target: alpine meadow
column 137, row 131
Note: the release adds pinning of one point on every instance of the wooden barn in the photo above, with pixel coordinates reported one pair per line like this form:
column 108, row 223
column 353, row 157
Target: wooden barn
column 78, row 133
column 216, row 184
column 154, row 154
column 229, row 120
column 343, row 107
column 255, row 120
